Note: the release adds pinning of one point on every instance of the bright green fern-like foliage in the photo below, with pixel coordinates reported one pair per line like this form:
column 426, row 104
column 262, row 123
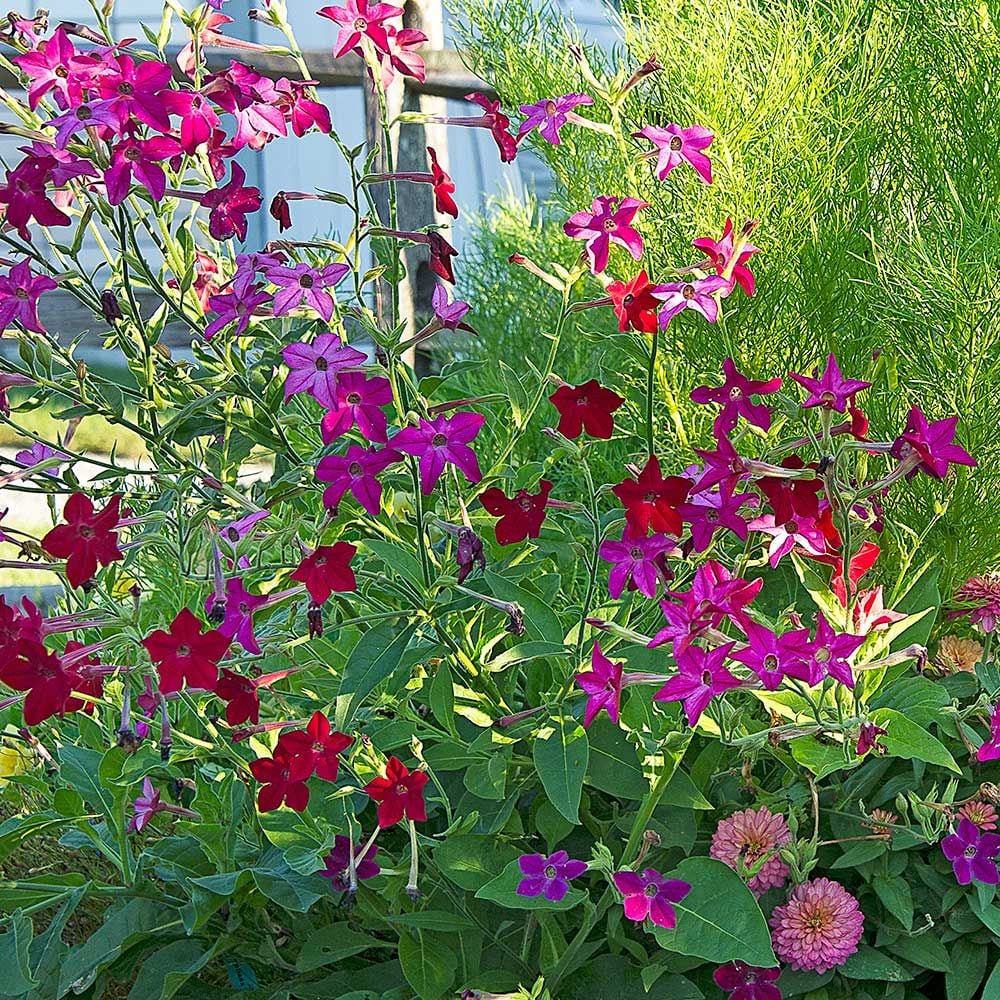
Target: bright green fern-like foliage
column 863, row 137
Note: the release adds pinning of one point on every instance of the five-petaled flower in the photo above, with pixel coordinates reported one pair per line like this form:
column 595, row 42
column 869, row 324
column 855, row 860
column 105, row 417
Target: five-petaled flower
column 548, row 876
column 319, row 743
column 327, row 571
column 602, row 685
column 831, row 390
column 608, row 221
column 734, row 396
column 701, row 675
column 186, row 654
column 588, row 407
column 929, row 447
column 676, row 145
column 550, row 115
column 283, row 779
column 87, row 539
column 400, row 793
column 337, row 864
column 651, row 500
column 649, row 894
column 972, row 853
column 635, row 304
column 747, row 982
column 440, row 441
column 20, row 291
column 697, row 294
column 520, row 516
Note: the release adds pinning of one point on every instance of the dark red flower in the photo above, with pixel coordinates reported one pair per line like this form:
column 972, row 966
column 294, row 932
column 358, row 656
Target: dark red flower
column 185, row 654
column 635, row 305
column 280, row 211
column 87, row 539
column 328, row 571
column 651, row 500
column 398, row 794
column 240, row 695
column 444, row 187
column 520, row 516
column 42, row 674
column 441, row 253
column 586, row 407
column 230, row 205
column 498, row 124
column 283, row 777
column 868, row 739
column 318, row 744
column 791, row 498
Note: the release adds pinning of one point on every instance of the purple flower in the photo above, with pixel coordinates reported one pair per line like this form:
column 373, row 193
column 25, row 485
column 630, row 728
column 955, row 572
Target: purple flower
column 240, row 606
column 11, row 380
column 314, row 367
column 701, row 675
column 358, row 400
column 651, row 895
column 146, row 806
column 302, row 285
column 772, row 656
column 39, row 453
column 928, row 447
column 708, row 512
column 637, row 561
column 676, row 145
column 83, row 116
column 442, row 440
column 990, row 750
column 734, row 398
column 608, row 221
column 747, row 982
column 548, row 876
column 449, row 314
column 468, row 553
column 356, row 471
column 868, row 736
column 19, row 295
column 698, row 295
column 972, row 854
column 337, row 864
column 139, row 159
column 830, row 390
column 237, row 530
column 802, row 531
column 830, row 655
column 603, row 685
column 550, row 115
column 233, row 308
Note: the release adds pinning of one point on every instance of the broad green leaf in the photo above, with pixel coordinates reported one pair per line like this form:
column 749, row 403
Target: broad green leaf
column 925, row 950
column 819, row 590
column 991, row 991
column 333, row 943
column 16, row 830
column 858, row 854
column 719, row 920
column 820, row 758
column 683, row 793
column 614, row 977
column 561, row 753
column 373, row 659
column 471, row 861
column 503, row 891
column 908, row 740
column 428, row 963
column 614, row 762
column 896, row 898
column 16, row 978
column 433, row 920
column 80, row 768
column 540, row 621
column 918, row 698
column 48, row 949
column 442, row 697
column 165, row 971
column 290, row 890
column 968, row 965
column 868, row 965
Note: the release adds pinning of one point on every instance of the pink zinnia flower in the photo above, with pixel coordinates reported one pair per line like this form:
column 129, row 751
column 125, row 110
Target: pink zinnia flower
column 742, row 839
column 982, row 595
column 20, row 291
column 698, row 295
column 608, row 221
column 440, row 441
column 676, row 145
column 981, row 813
column 819, row 927
column 650, row 895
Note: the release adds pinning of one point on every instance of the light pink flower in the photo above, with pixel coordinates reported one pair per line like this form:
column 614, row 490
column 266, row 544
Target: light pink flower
column 698, row 295
column 746, row 837
column 676, row 145
column 819, row 927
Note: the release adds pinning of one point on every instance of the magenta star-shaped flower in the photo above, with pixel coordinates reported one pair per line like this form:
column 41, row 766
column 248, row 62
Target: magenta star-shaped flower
column 709, row 512
column 449, row 314
column 358, row 400
column 676, row 145
column 240, row 607
column 82, row 116
column 734, row 396
column 636, row 561
column 304, row 285
column 701, row 675
column 139, row 159
column 234, row 308
column 830, row 655
column 721, row 251
column 550, row 115
column 230, row 205
column 770, row 656
column 441, row 441
column 358, row 472
column 799, row 530
column 359, row 19
column 972, row 854
column 930, row 446
column 830, row 390
column 698, row 295
column 608, row 221
column 20, row 291
column 602, row 685
column 314, row 367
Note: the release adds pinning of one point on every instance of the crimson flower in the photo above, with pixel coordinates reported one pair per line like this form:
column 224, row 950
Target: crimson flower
column 930, row 447
column 498, row 124
column 608, row 221
column 520, row 516
column 444, row 187
column 230, row 206
column 721, row 252
column 87, row 539
column 327, row 571
column 441, row 253
column 356, row 471
column 283, row 778
column 185, row 654
column 43, row 675
column 359, row 19
column 747, row 982
column 831, row 390
column 588, row 407
column 734, row 398
column 19, row 295
column 440, row 441
column 602, row 685
column 635, row 304
column 790, row 498
column 868, row 739
column 26, row 197
column 701, row 675
column 241, row 697
column 652, row 500
column 676, row 145
column 357, row 400
column 317, row 743
column 400, row 793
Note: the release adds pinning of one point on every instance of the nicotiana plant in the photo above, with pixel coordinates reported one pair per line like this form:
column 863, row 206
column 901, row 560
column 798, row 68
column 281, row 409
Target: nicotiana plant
column 393, row 717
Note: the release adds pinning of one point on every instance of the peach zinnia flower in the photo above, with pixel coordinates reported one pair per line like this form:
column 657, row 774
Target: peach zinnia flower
column 819, row 927
column 981, row 813
column 955, row 653
column 747, row 836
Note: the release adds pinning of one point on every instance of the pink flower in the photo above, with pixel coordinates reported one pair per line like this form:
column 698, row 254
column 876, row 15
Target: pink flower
column 199, row 119
column 636, row 561
column 449, row 314
column 356, row 471
column 400, row 55
column 603, row 686
column 928, row 447
column 981, row 813
column 314, row 367
column 358, row 400
column 650, row 895
column 707, row 513
column 19, row 295
column 981, row 595
column 133, row 90
column 138, row 158
column 830, row 654
column 746, row 982
column 771, row 657
column 56, row 65
column 701, row 675
column 819, row 927
column 676, row 145
column 303, row 285
column 745, row 838
column 359, row 19
column 608, row 221
column 230, row 205
column 734, row 398
column 145, row 806
column 720, row 253
column 803, row 532
column 831, row 390
column 440, row 441
column 85, row 115
column 698, row 295
column 233, row 308
column 550, row 115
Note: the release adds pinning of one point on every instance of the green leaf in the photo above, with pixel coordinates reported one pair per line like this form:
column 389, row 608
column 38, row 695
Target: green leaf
column 683, row 793
column 908, row 740
column 442, row 697
column 428, row 963
column 471, row 861
column 561, row 753
column 858, row 854
column 373, row 659
column 434, row 920
column 614, row 977
column 820, row 758
column 925, row 950
column 16, row 979
column 167, row 970
column 868, row 965
column 503, row 891
column 918, row 698
column 896, row 898
column 540, row 621
column 819, row 590
column 968, row 963
column 333, row 943
column 719, row 920
column 614, row 762
column 991, row 991
column 80, row 768
column 16, row 830
column 291, row 890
